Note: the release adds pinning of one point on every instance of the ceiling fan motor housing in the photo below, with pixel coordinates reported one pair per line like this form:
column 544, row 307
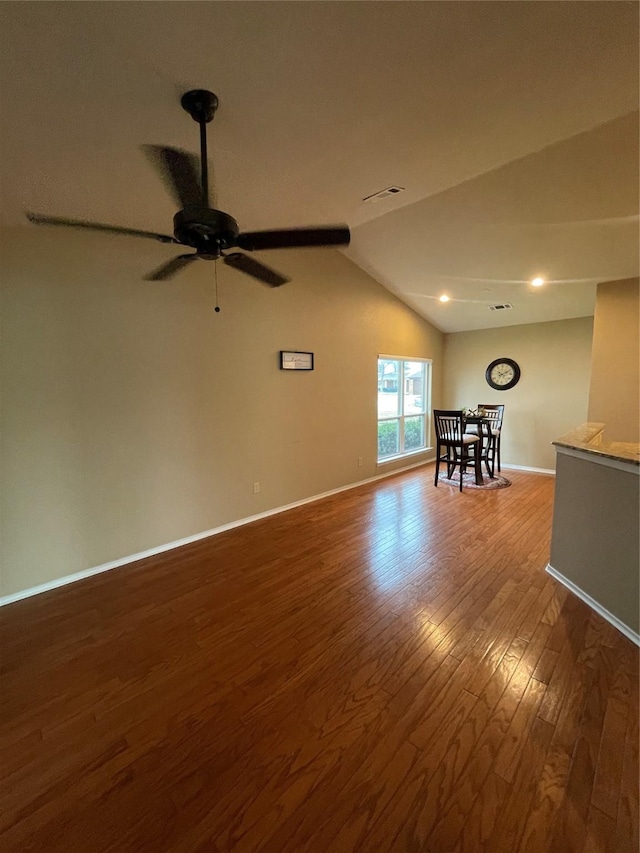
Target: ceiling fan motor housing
column 207, row 230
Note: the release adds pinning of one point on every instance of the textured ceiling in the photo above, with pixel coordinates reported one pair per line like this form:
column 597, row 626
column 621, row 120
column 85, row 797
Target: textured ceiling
column 512, row 126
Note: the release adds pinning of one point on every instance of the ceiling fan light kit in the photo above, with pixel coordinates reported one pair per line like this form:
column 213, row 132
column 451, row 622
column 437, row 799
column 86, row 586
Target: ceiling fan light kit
column 201, row 227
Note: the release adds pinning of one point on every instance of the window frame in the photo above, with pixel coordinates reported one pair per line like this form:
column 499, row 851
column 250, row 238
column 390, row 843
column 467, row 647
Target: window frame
column 401, row 416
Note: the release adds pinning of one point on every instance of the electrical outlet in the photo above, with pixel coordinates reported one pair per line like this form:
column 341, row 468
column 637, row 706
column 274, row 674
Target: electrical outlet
column 359, row 461
column 256, row 488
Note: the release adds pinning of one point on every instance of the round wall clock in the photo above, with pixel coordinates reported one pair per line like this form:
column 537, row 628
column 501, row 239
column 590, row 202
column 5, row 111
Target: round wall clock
column 502, row 374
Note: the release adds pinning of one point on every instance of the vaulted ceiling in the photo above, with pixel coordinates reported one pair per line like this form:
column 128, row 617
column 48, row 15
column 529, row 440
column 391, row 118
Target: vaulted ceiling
column 512, row 127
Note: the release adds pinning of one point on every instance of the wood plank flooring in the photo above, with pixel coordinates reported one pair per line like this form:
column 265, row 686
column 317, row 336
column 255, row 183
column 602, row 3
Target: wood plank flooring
column 387, row 669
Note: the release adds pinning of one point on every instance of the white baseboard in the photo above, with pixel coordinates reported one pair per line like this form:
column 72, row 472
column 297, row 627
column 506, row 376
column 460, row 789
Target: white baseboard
column 593, row 604
column 152, row 552
column 528, row 468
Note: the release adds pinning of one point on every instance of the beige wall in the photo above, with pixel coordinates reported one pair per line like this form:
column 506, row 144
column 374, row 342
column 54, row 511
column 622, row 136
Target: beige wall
column 133, row 415
column 551, row 396
column 614, row 397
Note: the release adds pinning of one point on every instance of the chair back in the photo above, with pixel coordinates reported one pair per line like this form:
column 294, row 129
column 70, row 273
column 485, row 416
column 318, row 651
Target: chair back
column 449, row 425
column 494, row 413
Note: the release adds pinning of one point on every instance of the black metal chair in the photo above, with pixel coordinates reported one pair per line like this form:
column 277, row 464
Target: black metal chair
column 453, row 447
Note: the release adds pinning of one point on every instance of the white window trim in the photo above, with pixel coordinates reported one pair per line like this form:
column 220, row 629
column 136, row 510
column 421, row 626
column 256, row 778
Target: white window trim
column 409, row 453
column 428, row 362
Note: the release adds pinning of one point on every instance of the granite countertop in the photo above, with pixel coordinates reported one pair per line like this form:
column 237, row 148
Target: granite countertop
column 590, row 438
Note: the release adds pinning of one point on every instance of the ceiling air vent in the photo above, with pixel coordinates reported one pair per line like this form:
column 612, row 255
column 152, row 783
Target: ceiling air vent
column 390, row 191
column 501, row 307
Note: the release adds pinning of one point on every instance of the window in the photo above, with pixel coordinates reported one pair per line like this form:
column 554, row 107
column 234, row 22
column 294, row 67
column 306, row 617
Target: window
column 404, row 390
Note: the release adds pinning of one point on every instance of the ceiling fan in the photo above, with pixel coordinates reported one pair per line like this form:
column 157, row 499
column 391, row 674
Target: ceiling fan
column 209, row 231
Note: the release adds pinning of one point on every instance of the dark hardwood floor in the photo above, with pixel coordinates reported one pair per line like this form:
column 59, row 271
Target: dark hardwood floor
column 388, row 669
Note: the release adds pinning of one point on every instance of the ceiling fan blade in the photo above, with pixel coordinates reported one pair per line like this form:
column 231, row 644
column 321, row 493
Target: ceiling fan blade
column 171, row 268
column 38, row 219
column 179, row 170
column 255, row 241
column 252, row 267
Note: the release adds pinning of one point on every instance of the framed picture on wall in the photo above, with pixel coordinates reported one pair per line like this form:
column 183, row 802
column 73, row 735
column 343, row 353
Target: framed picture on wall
column 291, row 360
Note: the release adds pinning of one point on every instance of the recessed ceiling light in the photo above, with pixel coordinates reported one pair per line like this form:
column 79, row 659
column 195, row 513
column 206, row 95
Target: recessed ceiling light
column 444, row 298
column 537, row 282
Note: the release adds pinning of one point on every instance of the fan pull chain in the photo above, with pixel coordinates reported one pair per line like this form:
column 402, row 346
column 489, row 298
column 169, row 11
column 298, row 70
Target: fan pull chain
column 215, row 276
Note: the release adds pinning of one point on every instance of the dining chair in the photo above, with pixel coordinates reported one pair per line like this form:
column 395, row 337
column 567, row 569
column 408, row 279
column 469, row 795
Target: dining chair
column 494, row 413
column 453, row 447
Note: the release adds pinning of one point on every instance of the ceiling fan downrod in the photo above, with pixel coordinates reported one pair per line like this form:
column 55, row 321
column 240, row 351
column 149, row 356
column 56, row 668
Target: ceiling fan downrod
column 201, row 106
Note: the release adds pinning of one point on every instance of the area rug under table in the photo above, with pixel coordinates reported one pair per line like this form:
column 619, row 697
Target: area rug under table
column 469, row 481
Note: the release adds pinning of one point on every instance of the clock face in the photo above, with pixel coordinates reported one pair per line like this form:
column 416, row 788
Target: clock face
column 502, row 374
